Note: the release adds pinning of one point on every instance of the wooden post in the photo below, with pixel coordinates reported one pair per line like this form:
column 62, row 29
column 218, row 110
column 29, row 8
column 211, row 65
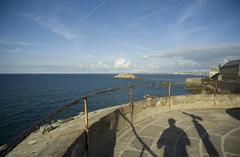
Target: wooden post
column 130, row 94
column 86, row 122
column 169, row 94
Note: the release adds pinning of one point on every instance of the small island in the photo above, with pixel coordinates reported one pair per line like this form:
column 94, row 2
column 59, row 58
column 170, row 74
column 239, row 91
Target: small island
column 126, row 76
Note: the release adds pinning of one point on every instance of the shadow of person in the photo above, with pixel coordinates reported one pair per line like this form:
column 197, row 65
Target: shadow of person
column 174, row 141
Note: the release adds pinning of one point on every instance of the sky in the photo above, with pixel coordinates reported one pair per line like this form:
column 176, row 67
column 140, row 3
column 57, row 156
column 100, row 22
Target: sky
column 111, row 36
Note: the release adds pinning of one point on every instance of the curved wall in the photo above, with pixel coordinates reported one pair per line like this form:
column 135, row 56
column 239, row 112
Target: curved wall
column 103, row 132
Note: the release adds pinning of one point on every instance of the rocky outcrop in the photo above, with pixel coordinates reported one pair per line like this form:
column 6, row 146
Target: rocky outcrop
column 126, row 76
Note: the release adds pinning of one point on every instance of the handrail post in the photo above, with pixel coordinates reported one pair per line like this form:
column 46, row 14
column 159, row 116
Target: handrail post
column 86, row 122
column 169, row 94
column 130, row 94
column 215, row 91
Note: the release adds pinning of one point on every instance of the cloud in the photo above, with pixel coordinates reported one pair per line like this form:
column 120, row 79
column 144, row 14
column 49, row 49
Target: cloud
column 97, row 67
column 146, row 16
column 89, row 56
column 191, row 11
column 184, row 25
column 21, row 43
column 53, row 24
column 199, row 56
column 183, row 63
column 10, row 50
column 93, row 66
column 122, row 63
column 92, row 11
column 140, row 48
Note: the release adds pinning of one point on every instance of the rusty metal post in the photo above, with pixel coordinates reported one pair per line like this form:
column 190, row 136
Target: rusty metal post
column 130, row 94
column 169, row 94
column 214, row 92
column 86, row 122
column 85, row 113
column 217, row 86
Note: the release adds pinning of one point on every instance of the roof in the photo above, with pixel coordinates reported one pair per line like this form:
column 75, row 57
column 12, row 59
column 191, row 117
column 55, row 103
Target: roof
column 235, row 62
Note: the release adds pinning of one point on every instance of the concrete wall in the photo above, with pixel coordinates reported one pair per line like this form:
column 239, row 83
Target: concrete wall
column 102, row 133
column 193, row 82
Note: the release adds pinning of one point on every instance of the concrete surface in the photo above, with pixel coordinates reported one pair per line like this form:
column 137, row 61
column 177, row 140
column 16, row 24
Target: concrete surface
column 197, row 133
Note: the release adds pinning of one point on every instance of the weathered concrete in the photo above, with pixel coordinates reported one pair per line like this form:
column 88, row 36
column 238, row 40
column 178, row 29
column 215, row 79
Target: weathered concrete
column 194, row 82
column 220, row 135
column 113, row 133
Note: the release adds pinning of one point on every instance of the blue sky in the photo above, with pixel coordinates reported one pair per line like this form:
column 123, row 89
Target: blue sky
column 110, row 36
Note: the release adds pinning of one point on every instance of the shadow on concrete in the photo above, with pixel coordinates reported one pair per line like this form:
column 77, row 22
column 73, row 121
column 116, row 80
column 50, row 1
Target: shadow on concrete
column 174, row 140
column 234, row 112
column 203, row 134
column 145, row 146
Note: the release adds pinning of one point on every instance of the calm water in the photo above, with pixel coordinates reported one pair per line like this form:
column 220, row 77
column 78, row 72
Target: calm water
column 24, row 99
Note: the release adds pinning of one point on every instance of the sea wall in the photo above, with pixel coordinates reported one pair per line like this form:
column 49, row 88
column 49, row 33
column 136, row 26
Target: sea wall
column 194, row 82
column 103, row 132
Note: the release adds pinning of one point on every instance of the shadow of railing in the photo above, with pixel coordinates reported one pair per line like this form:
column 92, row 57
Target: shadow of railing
column 204, row 135
column 145, row 146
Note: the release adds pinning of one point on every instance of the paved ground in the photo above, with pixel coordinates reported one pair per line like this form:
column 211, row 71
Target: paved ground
column 195, row 133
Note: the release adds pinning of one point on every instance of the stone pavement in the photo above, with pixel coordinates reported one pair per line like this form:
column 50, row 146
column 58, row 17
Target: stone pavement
column 182, row 133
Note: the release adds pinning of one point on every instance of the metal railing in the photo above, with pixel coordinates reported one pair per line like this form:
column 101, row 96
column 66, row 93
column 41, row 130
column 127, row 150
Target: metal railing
column 84, row 101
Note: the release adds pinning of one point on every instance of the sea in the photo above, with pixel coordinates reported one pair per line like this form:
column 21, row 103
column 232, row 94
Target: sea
column 27, row 98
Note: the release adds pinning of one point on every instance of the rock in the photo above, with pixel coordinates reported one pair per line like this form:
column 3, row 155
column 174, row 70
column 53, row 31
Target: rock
column 3, row 147
column 149, row 97
column 125, row 76
column 32, row 142
column 46, row 128
column 59, row 121
column 81, row 113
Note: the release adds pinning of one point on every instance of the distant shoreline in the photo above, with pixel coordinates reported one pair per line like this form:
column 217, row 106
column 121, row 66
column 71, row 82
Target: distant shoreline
column 101, row 74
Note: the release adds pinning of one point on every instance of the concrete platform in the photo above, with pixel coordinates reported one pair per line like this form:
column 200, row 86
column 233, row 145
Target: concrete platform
column 180, row 126
column 182, row 133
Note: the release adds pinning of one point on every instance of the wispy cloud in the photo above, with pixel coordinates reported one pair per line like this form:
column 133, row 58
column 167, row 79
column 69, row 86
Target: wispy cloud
column 182, row 27
column 53, row 24
column 205, row 55
column 191, row 11
column 141, row 48
column 10, row 50
column 155, row 13
column 91, row 12
column 94, row 66
column 21, row 43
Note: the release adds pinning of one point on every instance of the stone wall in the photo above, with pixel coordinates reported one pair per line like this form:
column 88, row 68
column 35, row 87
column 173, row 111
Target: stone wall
column 194, row 82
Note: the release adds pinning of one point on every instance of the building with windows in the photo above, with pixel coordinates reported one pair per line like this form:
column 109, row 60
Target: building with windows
column 230, row 71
